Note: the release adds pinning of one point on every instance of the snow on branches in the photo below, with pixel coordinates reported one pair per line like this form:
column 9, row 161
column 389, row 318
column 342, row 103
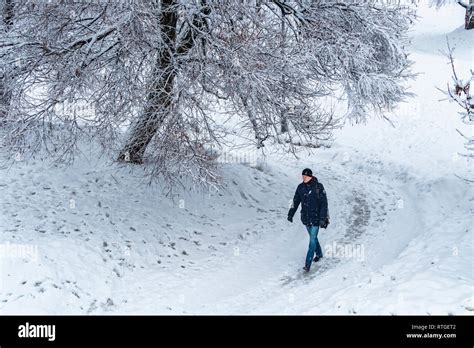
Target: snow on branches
column 149, row 79
column 460, row 93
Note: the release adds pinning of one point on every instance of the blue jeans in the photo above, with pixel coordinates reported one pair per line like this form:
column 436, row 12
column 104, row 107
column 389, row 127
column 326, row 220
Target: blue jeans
column 314, row 245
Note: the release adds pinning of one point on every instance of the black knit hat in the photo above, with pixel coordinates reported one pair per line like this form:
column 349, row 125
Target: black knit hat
column 307, row 172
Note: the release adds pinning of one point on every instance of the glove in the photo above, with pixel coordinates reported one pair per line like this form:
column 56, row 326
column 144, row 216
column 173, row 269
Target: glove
column 290, row 219
column 324, row 223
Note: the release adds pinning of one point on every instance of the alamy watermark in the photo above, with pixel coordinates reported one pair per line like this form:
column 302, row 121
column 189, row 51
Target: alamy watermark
column 337, row 250
column 26, row 251
column 242, row 157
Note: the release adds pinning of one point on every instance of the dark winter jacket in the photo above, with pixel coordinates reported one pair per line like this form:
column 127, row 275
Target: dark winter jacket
column 314, row 203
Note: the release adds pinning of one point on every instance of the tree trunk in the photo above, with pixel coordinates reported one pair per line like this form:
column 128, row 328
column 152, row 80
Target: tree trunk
column 469, row 18
column 5, row 93
column 160, row 96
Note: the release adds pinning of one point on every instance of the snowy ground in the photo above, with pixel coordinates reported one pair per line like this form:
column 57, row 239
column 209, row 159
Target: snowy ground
column 90, row 239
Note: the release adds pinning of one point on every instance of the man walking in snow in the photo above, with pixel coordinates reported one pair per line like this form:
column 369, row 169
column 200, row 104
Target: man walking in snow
column 314, row 212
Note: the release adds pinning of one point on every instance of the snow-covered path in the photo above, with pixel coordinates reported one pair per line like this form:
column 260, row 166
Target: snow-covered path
column 100, row 242
column 103, row 257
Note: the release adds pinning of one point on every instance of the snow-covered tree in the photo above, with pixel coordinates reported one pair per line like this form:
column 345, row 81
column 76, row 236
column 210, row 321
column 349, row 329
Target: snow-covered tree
column 460, row 92
column 7, row 15
column 468, row 6
column 166, row 69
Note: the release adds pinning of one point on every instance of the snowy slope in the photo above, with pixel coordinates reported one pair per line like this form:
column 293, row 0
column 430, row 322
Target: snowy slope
column 92, row 239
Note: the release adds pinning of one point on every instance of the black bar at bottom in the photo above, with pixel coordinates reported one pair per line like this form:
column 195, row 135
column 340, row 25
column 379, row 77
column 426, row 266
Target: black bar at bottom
column 194, row 330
